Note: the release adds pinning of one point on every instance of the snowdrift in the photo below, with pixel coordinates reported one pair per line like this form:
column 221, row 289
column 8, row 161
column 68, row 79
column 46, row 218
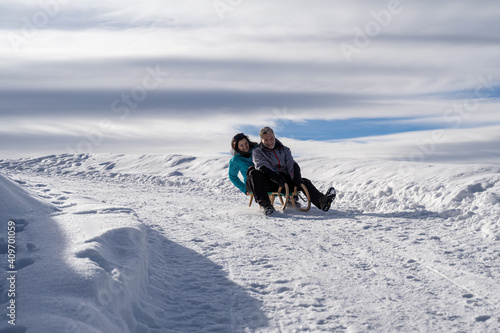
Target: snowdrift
column 468, row 195
column 16, row 204
column 57, row 254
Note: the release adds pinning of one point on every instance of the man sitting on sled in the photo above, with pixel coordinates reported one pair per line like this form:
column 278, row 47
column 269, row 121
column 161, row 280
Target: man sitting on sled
column 275, row 167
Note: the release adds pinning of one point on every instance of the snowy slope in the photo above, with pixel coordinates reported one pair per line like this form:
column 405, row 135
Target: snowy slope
column 141, row 243
column 460, row 192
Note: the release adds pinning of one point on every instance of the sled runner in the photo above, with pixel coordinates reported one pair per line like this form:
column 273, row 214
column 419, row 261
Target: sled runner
column 288, row 197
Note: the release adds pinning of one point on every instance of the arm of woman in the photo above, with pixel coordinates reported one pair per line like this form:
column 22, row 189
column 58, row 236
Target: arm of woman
column 233, row 176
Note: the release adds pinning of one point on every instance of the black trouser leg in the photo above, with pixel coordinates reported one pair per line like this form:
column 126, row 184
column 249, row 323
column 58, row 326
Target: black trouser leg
column 260, row 185
column 248, row 185
column 313, row 192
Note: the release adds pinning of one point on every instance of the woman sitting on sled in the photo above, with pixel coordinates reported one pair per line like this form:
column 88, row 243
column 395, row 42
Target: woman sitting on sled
column 241, row 148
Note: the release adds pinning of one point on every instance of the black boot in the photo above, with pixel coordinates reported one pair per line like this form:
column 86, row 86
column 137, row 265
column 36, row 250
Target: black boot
column 326, row 201
column 268, row 208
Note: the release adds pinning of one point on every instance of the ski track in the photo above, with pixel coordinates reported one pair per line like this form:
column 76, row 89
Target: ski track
column 216, row 265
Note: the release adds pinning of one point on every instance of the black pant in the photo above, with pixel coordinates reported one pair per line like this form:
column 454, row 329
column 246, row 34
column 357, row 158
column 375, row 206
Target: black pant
column 260, row 184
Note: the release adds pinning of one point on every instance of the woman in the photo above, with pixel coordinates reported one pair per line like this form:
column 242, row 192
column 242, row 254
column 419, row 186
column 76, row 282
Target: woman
column 241, row 148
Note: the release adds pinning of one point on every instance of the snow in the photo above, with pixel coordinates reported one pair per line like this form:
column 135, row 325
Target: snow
column 151, row 243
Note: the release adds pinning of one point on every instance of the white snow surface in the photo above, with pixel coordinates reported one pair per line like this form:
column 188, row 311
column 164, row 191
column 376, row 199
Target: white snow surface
column 141, row 243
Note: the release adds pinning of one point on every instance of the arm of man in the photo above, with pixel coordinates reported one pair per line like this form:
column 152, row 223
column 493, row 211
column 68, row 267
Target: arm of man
column 260, row 160
column 289, row 161
column 292, row 167
column 262, row 164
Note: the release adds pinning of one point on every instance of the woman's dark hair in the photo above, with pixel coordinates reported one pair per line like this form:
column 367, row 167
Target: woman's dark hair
column 237, row 138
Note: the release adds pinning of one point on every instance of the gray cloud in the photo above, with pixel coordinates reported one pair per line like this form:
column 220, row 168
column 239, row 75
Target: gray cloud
column 439, row 38
column 462, row 152
column 209, row 74
column 96, row 102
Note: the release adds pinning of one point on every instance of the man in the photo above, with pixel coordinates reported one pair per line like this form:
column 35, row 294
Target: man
column 275, row 166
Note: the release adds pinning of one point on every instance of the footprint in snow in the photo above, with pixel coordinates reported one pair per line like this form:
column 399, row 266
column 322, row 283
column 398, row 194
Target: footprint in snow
column 31, row 247
column 197, row 240
column 362, row 266
column 20, row 225
column 24, row 262
column 259, row 288
column 282, row 290
column 107, row 211
column 482, row 318
column 263, row 261
column 61, row 200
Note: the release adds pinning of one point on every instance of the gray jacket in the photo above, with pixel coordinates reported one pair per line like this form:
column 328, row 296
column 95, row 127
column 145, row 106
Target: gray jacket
column 278, row 159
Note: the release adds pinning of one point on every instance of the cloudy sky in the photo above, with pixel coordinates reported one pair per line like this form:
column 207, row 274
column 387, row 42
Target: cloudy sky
column 413, row 80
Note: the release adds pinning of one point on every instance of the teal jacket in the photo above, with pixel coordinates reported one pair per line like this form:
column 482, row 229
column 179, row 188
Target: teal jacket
column 239, row 164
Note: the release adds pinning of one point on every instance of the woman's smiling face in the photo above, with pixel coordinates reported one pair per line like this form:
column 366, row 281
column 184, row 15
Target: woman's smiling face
column 243, row 146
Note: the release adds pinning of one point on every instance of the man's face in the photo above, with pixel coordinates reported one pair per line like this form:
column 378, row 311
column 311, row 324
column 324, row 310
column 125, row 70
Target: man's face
column 268, row 140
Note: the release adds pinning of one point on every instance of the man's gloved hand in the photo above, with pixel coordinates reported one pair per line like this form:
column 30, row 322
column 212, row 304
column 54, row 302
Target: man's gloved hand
column 277, row 177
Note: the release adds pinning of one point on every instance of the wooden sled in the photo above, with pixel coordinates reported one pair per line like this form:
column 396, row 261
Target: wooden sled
column 289, row 197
